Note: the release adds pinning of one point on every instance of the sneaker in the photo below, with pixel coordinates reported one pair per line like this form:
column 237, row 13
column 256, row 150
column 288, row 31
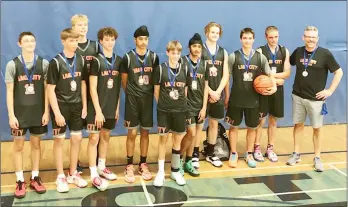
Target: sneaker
column 215, row 161
column 233, row 161
column 179, row 179
column 181, row 168
column 258, row 154
column 100, row 183
column 249, row 159
column 159, row 179
column 37, row 185
column 271, row 155
column 77, row 180
column 318, row 165
column 294, row 158
column 79, row 168
column 195, row 162
column 107, row 174
column 144, row 171
column 20, row 189
column 62, row 185
column 129, row 174
column 188, row 167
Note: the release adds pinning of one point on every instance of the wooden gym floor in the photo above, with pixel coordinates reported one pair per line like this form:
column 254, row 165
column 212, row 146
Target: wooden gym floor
column 269, row 184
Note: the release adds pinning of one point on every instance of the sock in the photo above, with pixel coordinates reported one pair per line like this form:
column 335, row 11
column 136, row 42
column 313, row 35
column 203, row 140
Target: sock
column 269, row 147
column 210, row 149
column 234, row 153
column 101, row 163
column 142, row 160
column 196, row 150
column 161, row 166
column 61, row 176
column 130, row 160
column 34, row 174
column 181, row 156
column 175, row 160
column 94, row 172
column 250, row 153
column 20, row 176
column 188, row 159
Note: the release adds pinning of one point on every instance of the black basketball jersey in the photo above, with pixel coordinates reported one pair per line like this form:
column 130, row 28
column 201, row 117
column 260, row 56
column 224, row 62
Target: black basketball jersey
column 140, row 73
column 195, row 91
column 65, row 82
column 242, row 91
column 29, row 105
column 172, row 97
column 109, row 83
column 278, row 61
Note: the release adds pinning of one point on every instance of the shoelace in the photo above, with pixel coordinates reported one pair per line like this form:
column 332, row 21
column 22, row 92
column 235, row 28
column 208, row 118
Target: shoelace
column 37, row 179
column 106, row 170
column 20, row 185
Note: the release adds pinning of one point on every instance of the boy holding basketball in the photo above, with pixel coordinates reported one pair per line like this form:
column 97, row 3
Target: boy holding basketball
column 245, row 65
column 278, row 60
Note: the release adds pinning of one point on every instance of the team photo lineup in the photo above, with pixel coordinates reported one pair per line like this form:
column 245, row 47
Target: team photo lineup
column 80, row 88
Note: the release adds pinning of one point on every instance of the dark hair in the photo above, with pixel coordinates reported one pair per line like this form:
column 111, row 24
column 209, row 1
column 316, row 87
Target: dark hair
column 107, row 31
column 247, row 30
column 22, row 34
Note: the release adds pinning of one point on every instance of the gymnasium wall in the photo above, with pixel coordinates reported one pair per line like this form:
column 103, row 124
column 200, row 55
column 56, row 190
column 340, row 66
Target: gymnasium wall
column 178, row 20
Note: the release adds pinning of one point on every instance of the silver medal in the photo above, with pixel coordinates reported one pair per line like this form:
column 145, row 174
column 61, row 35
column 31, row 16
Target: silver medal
column 73, row 85
column 110, row 83
column 176, row 95
column 194, row 85
column 172, row 94
column 247, row 76
column 141, row 80
column 213, row 69
column 30, row 89
column 273, row 70
column 305, row 73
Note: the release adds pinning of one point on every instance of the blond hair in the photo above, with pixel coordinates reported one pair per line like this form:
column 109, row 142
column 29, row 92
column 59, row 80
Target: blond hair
column 212, row 24
column 68, row 33
column 270, row 28
column 174, row 45
column 78, row 17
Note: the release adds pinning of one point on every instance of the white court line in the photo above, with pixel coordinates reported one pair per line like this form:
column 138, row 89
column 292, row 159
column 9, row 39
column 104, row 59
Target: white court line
column 251, row 196
column 338, row 170
column 146, row 192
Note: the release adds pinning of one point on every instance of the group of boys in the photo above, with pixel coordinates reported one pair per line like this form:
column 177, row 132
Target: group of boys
column 80, row 88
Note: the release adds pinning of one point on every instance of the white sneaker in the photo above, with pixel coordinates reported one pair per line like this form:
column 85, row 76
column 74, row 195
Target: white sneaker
column 77, row 180
column 62, row 185
column 195, row 162
column 100, row 183
column 159, row 180
column 107, row 174
column 214, row 160
column 179, row 179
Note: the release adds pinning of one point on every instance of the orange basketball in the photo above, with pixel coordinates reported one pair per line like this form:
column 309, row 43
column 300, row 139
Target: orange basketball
column 261, row 83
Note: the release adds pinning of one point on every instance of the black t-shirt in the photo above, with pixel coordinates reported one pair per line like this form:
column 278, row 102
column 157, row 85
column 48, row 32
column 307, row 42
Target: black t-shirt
column 195, row 94
column 322, row 62
column 108, row 95
column 172, row 99
column 139, row 84
column 59, row 74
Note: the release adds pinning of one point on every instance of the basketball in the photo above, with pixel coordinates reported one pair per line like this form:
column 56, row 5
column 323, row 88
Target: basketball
column 261, row 83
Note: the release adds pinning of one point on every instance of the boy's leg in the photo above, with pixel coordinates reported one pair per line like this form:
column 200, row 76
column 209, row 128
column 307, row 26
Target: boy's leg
column 18, row 136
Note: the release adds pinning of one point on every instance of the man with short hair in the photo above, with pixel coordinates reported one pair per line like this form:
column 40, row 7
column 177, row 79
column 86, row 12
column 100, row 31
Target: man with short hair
column 309, row 93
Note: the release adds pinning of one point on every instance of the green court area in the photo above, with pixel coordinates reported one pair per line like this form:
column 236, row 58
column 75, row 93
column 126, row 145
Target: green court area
column 307, row 188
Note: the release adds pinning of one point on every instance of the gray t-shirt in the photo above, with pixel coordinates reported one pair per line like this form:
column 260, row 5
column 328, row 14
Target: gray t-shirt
column 264, row 62
column 11, row 69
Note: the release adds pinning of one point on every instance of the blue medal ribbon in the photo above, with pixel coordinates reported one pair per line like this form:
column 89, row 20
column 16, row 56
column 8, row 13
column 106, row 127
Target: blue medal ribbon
column 171, row 78
column 142, row 65
column 29, row 76
column 245, row 63
column 107, row 65
column 305, row 63
column 72, row 72
column 273, row 56
column 211, row 56
column 194, row 72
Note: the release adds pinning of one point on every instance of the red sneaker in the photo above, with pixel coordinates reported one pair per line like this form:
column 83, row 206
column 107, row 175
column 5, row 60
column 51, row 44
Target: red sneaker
column 37, row 185
column 20, row 189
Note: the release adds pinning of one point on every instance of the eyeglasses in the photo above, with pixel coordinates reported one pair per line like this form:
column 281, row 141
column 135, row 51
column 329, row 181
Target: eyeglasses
column 311, row 37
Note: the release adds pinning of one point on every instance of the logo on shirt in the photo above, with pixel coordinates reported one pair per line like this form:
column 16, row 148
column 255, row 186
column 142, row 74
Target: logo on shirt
column 25, row 77
column 313, row 62
column 277, row 62
column 251, row 67
column 216, row 62
column 198, row 75
column 176, row 84
column 68, row 75
column 113, row 73
column 146, row 70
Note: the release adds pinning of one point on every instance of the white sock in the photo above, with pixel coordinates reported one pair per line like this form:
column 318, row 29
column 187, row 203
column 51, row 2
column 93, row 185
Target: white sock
column 34, row 174
column 161, row 166
column 94, row 172
column 61, row 176
column 101, row 163
column 20, row 176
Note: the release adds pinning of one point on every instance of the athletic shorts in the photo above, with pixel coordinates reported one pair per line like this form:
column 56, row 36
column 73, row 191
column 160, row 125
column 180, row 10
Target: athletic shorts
column 216, row 110
column 109, row 123
column 138, row 110
column 301, row 107
column 273, row 104
column 171, row 121
column 72, row 113
column 235, row 115
column 34, row 131
column 192, row 119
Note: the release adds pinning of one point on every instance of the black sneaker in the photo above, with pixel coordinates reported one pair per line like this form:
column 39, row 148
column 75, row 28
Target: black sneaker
column 79, row 168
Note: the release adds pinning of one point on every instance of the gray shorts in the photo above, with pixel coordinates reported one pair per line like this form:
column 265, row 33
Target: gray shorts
column 301, row 107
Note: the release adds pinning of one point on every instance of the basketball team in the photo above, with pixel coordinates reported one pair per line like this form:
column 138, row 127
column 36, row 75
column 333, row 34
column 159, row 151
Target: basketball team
column 80, row 89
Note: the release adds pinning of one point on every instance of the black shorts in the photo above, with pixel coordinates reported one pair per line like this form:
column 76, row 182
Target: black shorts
column 192, row 119
column 138, row 110
column 34, row 131
column 109, row 123
column 216, row 110
column 171, row 121
column 72, row 113
column 234, row 116
column 273, row 104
